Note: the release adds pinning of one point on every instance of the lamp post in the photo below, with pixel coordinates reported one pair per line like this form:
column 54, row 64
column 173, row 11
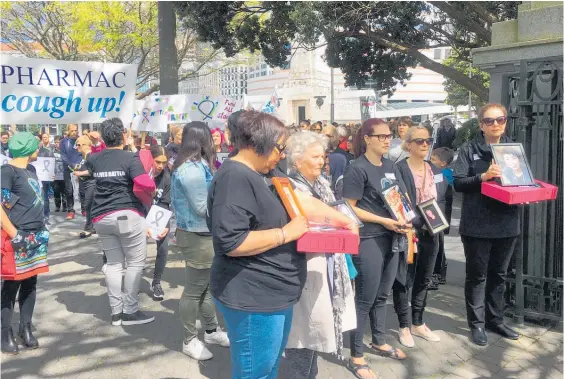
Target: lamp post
column 332, row 95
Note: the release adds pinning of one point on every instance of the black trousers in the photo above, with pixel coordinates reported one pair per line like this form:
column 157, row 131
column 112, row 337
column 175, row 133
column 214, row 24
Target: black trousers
column 377, row 267
column 59, row 194
column 88, row 190
column 486, row 265
column 69, row 194
column 82, row 195
column 27, row 293
column 427, row 249
column 441, row 262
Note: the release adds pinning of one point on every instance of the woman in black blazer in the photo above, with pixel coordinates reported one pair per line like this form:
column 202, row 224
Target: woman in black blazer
column 423, row 181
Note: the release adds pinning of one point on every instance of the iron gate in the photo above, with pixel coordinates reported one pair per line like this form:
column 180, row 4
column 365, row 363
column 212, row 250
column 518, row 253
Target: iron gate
column 534, row 106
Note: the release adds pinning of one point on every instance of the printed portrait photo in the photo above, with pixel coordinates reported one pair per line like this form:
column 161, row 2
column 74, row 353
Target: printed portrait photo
column 514, row 165
column 433, row 216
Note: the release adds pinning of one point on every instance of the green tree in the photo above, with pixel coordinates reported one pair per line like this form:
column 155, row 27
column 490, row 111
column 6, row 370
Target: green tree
column 367, row 40
column 118, row 32
column 457, row 95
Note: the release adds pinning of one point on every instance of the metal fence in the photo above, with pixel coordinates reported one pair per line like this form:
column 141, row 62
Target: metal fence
column 534, row 102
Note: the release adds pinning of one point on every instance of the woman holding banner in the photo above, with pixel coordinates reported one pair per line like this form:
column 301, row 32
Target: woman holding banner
column 24, row 240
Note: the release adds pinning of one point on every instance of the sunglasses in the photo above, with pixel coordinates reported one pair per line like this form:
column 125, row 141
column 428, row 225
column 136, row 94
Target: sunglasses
column 421, row 141
column 488, row 121
column 281, row 148
column 382, row 137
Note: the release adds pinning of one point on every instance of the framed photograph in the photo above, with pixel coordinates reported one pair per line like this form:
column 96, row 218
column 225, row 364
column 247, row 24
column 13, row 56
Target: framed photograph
column 345, row 208
column 515, row 169
column 398, row 204
column 433, row 216
column 288, row 197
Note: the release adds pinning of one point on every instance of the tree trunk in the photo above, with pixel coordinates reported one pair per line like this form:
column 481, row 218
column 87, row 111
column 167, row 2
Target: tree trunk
column 168, row 73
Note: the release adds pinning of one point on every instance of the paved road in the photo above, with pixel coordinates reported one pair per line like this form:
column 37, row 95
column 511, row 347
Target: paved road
column 77, row 341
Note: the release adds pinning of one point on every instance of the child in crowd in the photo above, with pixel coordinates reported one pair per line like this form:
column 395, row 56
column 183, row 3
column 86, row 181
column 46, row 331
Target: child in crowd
column 442, row 157
column 59, row 184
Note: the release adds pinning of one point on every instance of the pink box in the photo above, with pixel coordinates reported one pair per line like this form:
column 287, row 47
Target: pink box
column 147, row 162
column 329, row 241
column 520, row 194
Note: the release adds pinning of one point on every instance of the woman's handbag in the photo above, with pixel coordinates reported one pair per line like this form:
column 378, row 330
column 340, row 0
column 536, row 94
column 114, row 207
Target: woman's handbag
column 8, row 262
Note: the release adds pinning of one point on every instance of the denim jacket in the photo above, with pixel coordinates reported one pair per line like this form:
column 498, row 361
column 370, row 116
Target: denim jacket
column 189, row 190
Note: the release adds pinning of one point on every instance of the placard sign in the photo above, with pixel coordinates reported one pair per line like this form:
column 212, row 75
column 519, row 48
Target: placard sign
column 63, row 92
column 59, row 167
column 157, row 219
column 45, row 169
column 4, row 159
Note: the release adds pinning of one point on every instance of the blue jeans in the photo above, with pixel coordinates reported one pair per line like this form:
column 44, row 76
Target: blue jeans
column 257, row 341
column 46, row 188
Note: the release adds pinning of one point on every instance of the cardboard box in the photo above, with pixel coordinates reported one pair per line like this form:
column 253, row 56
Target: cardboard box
column 329, row 241
column 147, row 162
column 520, row 194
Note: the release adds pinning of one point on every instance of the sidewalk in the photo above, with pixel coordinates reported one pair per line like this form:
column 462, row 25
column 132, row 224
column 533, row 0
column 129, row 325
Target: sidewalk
column 77, row 340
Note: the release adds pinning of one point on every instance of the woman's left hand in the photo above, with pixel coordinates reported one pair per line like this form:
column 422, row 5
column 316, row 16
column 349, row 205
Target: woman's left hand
column 163, row 234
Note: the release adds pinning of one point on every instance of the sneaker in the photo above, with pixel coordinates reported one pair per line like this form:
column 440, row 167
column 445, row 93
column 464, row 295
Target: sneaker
column 57, row 209
column 104, row 268
column 157, row 290
column 70, row 216
column 136, row 318
column 405, row 337
column 197, row 350
column 116, row 319
column 218, row 337
column 442, row 279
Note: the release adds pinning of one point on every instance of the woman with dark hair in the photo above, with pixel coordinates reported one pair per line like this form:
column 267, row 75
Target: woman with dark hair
column 514, row 169
column 118, row 217
column 400, row 126
column 24, row 238
column 337, row 162
column 257, row 275
column 377, row 264
column 192, row 174
column 219, row 144
column 488, row 228
column 161, row 175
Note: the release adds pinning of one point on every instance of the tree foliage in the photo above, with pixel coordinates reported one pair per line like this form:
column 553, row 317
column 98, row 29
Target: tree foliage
column 457, row 95
column 118, row 32
column 367, row 40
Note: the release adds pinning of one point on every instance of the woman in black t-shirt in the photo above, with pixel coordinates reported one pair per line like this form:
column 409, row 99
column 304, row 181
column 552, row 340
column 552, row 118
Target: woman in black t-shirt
column 257, row 274
column 24, row 239
column 86, row 183
column 377, row 265
column 119, row 219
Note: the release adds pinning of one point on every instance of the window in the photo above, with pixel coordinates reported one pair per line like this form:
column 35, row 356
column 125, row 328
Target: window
column 448, row 52
column 437, row 54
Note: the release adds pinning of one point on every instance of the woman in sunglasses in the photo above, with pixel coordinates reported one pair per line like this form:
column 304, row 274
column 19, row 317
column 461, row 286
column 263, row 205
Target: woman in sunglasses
column 424, row 182
column 86, row 183
column 488, row 228
column 365, row 180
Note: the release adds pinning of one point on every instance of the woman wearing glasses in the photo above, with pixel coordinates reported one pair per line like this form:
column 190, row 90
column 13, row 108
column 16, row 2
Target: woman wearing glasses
column 423, row 182
column 488, row 228
column 257, row 275
column 365, row 180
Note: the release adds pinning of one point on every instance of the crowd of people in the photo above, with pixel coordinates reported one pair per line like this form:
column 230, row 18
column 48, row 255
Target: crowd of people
column 238, row 240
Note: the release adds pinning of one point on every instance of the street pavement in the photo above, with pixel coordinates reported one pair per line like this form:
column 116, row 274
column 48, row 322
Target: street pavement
column 72, row 322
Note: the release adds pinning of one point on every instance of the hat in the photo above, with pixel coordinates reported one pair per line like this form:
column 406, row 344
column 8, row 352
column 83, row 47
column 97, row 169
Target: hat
column 23, row 144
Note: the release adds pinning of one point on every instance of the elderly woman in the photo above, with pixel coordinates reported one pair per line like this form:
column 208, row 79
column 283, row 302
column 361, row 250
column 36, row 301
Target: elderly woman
column 257, row 275
column 24, row 238
column 326, row 307
column 488, row 228
column 86, row 183
column 396, row 153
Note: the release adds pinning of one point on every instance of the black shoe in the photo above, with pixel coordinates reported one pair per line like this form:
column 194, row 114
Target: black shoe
column 9, row 344
column 58, row 209
column 433, row 285
column 116, row 319
column 157, row 290
column 442, row 279
column 503, row 331
column 479, row 336
column 25, row 334
column 136, row 318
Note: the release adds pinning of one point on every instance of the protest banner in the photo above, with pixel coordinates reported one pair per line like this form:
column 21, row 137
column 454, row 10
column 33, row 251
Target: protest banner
column 45, row 169
column 61, row 92
column 215, row 110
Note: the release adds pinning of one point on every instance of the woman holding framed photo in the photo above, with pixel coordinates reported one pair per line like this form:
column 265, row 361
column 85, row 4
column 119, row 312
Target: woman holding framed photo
column 488, row 228
column 425, row 184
